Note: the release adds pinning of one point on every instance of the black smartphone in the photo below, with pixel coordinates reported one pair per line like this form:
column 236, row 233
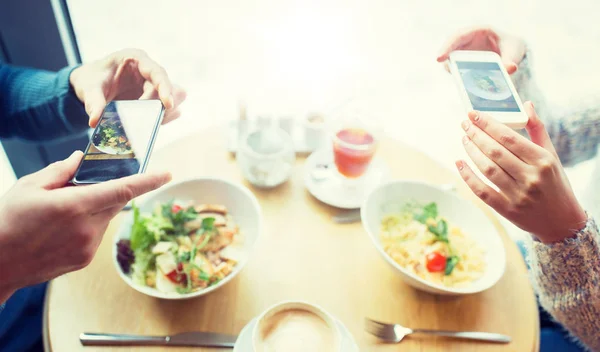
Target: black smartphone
column 122, row 142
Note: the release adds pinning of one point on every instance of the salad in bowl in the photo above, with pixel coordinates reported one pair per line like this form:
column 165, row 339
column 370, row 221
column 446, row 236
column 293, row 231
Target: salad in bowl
column 181, row 247
column 177, row 245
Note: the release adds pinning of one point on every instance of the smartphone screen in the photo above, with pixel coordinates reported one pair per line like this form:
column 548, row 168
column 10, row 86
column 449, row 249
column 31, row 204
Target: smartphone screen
column 486, row 86
column 121, row 143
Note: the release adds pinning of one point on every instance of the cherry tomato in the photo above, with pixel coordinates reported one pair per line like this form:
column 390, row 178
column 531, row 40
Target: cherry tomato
column 177, row 276
column 173, row 276
column 435, row 262
column 176, row 208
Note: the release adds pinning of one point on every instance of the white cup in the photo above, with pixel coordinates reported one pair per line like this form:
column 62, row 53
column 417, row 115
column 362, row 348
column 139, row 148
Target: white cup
column 287, row 124
column 266, row 157
column 315, row 132
column 264, row 319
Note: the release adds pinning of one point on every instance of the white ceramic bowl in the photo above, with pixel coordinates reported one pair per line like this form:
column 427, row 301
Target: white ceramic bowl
column 460, row 212
column 240, row 202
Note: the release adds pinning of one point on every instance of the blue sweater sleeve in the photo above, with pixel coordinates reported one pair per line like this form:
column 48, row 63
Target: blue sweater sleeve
column 39, row 105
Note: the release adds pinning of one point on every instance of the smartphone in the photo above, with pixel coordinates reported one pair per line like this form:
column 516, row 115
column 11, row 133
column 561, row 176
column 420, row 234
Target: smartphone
column 484, row 85
column 121, row 144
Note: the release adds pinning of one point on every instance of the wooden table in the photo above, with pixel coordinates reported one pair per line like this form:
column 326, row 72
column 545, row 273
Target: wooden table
column 302, row 254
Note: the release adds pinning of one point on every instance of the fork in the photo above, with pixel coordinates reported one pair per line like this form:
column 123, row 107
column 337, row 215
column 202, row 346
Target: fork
column 394, row 333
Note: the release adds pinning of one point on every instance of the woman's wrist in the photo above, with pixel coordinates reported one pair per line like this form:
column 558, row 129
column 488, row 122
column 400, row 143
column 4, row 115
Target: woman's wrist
column 576, row 223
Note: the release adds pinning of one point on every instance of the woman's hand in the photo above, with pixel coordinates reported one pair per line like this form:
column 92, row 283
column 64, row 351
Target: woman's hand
column 511, row 49
column 534, row 192
column 127, row 74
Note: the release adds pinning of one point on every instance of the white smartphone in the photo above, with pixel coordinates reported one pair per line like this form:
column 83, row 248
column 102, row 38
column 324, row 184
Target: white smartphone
column 484, row 85
column 122, row 142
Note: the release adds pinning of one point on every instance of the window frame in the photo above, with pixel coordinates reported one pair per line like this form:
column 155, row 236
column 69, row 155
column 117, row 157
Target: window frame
column 43, row 39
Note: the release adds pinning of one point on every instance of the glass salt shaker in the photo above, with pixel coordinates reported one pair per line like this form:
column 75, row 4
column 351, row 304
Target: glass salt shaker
column 266, row 157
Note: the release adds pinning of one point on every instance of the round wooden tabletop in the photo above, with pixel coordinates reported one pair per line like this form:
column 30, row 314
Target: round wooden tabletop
column 302, row 255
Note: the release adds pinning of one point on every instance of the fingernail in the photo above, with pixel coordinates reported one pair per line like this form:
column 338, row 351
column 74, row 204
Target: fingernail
column 474, row 116
column 459, row 165
column 164, row 176
column 465, row 125
column 95, row 114
column 465, row 139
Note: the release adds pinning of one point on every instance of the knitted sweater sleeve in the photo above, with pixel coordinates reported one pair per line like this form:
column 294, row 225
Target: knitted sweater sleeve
column 566, row 277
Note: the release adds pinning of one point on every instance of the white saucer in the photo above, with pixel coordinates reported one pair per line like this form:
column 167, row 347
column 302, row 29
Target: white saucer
column 244, row 341
column 321, row 180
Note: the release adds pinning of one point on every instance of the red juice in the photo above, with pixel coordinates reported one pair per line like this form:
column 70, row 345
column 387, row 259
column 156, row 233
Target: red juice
column 353, row 151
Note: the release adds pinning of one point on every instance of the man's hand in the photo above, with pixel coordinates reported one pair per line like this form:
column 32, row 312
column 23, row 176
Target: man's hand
column 511, row 49
column 127, row 74
column 48, row 229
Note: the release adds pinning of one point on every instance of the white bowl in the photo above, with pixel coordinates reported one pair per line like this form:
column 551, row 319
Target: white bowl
column 240, row 202
column 460, row 212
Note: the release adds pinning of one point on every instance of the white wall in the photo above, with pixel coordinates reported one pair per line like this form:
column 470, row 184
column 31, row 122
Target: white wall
column 288, row 56
column 292, row 55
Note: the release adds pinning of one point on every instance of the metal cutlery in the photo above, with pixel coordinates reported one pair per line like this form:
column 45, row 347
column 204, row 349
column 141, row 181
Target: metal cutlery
column 193, row 339
column 352, row 216
column 394, row 333
column 347, row 217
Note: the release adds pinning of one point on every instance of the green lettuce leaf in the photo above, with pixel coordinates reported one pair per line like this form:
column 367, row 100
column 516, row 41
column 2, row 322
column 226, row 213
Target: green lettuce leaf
column 143, row 261
column 146, row 231
column 179, row 218
column 429, row 211
column 141, row 238
column 440, row 231
column 450, row 264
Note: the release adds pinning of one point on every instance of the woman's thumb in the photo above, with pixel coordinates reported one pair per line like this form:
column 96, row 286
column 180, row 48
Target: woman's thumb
column 536, row 129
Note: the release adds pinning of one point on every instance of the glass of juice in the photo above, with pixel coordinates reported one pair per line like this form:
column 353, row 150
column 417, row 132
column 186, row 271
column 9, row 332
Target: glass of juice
column 354, row 145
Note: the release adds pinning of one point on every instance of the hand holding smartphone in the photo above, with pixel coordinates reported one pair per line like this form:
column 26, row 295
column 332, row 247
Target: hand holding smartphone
column 122, row 142
column 484, row 85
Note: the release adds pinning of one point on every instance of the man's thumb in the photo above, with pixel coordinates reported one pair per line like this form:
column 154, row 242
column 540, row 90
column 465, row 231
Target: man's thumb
column 58, row 174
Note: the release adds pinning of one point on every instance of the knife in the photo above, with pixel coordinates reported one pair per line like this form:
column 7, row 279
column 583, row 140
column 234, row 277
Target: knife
column 192, row 339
